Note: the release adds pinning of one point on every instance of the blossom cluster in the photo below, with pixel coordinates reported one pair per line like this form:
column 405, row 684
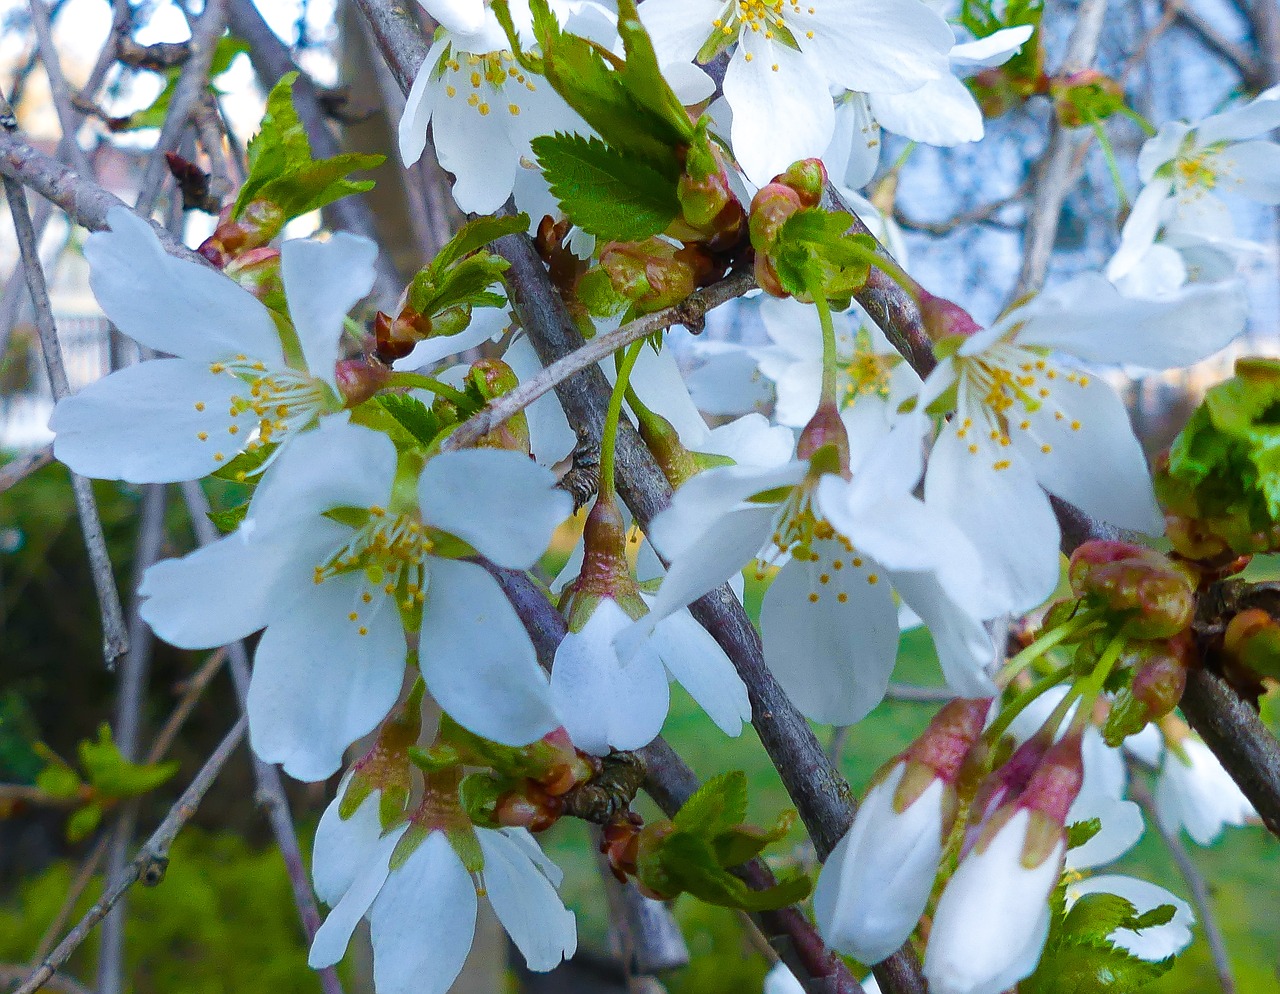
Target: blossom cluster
column 862, row 494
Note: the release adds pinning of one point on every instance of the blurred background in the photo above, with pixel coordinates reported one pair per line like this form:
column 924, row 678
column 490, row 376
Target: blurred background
column 223, row 919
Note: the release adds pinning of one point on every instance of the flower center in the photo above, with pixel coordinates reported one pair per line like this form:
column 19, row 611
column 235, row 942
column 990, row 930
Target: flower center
column 1006, row 388
column 760, row 16
column 282, row 400
column 808, row 538
column 1197, row 172
column 481, row 80
column 390, row 550
column 866, row 372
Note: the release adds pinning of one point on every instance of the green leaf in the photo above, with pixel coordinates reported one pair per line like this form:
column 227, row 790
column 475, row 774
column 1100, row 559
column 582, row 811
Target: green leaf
column 114, row 776
column 683, row 863
column 1080, row 832
column 1095, row 916
column 57, row 779
column 718, row 805
column 465, row 284
column 244, row 467
column 744, row 842
column 282, row 169
column 83, row 821
column 475, row 235
column 604, row 191
column 412, row 415
column 229, row 519
column 628, row 105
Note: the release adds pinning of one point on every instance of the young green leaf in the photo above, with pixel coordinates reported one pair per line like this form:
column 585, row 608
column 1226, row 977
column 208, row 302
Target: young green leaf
column 717, row 806
column 604, row 191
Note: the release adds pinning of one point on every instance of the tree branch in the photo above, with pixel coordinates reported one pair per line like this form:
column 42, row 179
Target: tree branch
column 690, row 311
column 149, row 865
column 115, row 637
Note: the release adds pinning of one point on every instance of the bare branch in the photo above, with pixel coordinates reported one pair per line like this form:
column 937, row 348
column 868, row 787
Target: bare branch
column 689, row 312
column 83, row 200
column 1239, row 57
column 19, row 468
column 148, row 865
column 1053, row 173
column 114, row 635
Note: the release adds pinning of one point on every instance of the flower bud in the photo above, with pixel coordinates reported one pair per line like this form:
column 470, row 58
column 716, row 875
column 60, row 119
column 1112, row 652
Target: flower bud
column 876, row 883
column 258, row 271
column 808, row 177
column 529, row 807
column 1252, row 638
column 1079, row 98
column 359, row 379
column 654, row 274
column 259, row 222
column 1160, row 679
column 1150, row 593
column 771, row 208
column 993, row 917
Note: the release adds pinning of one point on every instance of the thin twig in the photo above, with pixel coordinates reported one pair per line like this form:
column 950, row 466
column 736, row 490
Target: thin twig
column 128, row 731
column 1196, row 884
column 193, row 84
column 1239, row 57
column 20, row 467
column 191, row 689
column 115, row 639
column 150, row 862
column 1053, row 174
column 690, row 311
column 13, row 973
column 68, row 118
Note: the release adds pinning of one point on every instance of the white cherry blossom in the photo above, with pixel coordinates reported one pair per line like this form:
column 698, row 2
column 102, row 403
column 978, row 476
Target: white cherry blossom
column 233, row 383
column 329, row 560
column 1195, row 793
column 829, row 620
column 787, row 55
column 1026, row 420
column 1186, row 169
column 941, row 112
column 422, row 912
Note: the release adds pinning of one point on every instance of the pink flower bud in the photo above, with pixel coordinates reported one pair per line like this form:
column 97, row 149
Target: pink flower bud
column 359, row 379
column 944, row 319
column 1142, row 587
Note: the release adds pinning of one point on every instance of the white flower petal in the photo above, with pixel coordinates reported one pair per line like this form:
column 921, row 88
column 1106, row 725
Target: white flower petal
column 1090, row 319
column 550, row 436
column 143, row 423
column 232, row 587
column 889, row 46
column 781, row 111
column 1004, row 513
column 696, row 660
column 1255, row 118
column 526, row 903
column 412, row 130
column 603, row 702
column 477, row 659
column 331, row 939
column 1093, row 459
column 173, row 305
column 1139, row 231
column 423, row 922
column 344, row 846
column 322, row 282
column 502, row 503
column 966, row 653
column 338, row 464
column 942, row 112
column 318, row 683
column 1252, row 169
column 833, row 657
column 993, row 917
column 994, row 50
column 678, row 27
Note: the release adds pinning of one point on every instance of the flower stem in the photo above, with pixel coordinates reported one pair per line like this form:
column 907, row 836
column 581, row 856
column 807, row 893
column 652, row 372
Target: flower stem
column 1138, row 119
column 609, row 434
column 432, row 384
column 829, row 370
column 1091, row 686
column 1041, row 646
column 1020, row 703
column 1109, row 154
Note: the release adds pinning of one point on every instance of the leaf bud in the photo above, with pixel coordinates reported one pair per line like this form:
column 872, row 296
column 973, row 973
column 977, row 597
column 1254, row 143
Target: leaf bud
column 654, row 273
column 808, row 177
column 1252, row 639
